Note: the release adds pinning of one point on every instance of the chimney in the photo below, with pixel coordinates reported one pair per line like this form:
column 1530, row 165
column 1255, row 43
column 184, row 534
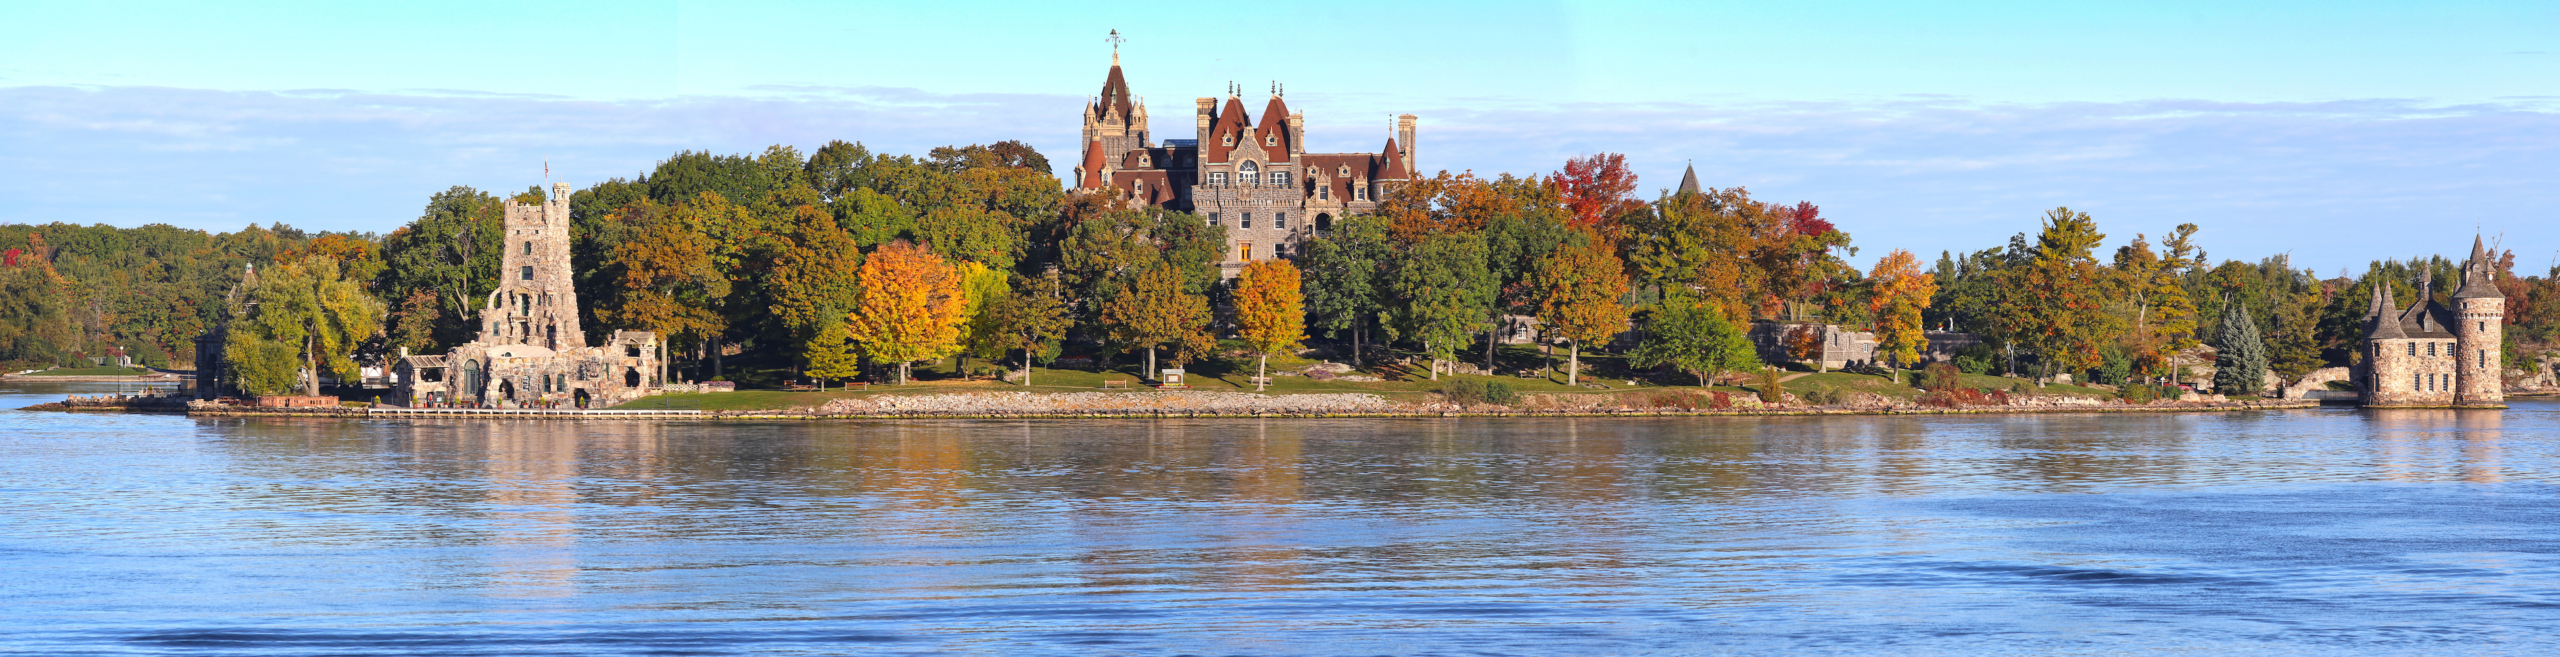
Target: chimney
column 1208, row 111
column 1404, row 137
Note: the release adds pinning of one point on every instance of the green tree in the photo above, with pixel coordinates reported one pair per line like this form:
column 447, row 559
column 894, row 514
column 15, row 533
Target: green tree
column 831, row 354
column 2051, row 303
column 1154, row 311
column 2241, row 366
column 307, row 313
column 451, row 252
column 1695, row 338
column 1346, row 279
column 1445, row 294
column 1031, row 317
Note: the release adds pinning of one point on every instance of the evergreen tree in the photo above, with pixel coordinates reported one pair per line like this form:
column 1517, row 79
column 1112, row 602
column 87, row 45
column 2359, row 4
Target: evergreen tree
column 2241, row 368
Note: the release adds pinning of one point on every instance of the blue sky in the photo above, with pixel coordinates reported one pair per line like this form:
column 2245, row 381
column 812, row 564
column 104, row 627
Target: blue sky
column 2339, row 132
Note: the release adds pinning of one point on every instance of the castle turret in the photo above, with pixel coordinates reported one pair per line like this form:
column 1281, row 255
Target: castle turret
column 2479, row 333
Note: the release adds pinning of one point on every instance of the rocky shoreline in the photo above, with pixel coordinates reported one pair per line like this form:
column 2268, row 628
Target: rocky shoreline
column 1197, row 404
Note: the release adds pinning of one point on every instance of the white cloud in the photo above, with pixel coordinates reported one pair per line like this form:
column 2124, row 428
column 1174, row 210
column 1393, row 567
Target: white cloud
column 2335, row 183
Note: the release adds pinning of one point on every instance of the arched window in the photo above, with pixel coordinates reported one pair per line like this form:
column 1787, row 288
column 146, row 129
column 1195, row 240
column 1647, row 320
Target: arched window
column 1249, row 173
column 528, row 248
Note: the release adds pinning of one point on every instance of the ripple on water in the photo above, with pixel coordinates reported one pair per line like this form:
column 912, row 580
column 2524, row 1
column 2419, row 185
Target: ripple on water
column 2300, row 532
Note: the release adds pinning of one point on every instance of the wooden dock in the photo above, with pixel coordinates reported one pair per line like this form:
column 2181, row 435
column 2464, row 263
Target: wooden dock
column 532, row 413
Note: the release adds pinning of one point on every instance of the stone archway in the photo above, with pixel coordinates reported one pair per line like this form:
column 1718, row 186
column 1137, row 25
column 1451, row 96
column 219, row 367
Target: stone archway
column 1324, row 223
column 507, row 389
column 631, row 377
column 582, row 398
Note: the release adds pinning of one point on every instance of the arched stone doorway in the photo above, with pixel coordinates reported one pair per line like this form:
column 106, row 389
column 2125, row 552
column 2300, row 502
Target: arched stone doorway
column 631, row 377
column 1324, row 224
column 507, row 389
column 472, row 384
column 582, row 398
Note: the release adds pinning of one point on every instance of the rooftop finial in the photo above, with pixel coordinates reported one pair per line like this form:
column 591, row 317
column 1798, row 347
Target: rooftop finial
column 1114, row 40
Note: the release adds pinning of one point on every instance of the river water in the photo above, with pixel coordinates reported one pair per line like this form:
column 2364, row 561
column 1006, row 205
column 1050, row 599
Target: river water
column 2329, row 531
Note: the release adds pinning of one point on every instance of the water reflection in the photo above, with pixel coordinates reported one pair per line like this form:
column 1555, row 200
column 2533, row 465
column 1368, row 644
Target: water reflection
column 1914, row 535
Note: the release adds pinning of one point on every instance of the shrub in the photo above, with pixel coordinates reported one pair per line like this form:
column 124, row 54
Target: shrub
column 1977, row 359
column 1723, row 401
column 1954, row 398
column 1823, row 396
column 1469, row 392
column 1942, row 376
column 1772, row 390
column 1675, row 400
column 2136, row 393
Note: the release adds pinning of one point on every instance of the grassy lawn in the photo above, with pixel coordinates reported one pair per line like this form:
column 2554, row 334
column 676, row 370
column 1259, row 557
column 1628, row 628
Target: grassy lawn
column 93, row 371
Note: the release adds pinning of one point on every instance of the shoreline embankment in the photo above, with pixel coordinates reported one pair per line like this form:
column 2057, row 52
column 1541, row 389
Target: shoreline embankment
column 1192, row 404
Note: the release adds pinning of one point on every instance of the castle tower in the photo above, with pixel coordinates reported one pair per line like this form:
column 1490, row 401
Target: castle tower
column 535, row 303
column 2479, row 334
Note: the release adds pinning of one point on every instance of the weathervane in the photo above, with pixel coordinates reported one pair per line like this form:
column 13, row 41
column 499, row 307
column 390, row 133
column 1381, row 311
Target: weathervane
column 1115, row 41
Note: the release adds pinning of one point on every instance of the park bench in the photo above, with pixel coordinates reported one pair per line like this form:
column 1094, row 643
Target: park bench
column 1115, row 383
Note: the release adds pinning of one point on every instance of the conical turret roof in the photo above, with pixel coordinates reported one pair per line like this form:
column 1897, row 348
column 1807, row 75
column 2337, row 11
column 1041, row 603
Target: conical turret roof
column 2478, row 275
column 1689, row 180
column 2385, row 322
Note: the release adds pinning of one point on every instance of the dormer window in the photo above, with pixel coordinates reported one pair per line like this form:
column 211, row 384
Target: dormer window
column 1360, row 192
column 1229, row 140
column 1270, row 140
column 1324, row 193
column 1342, row 170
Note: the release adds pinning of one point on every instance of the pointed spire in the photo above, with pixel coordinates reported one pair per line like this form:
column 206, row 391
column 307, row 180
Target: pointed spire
column 1689, row 180
column 2386, row 319
column 2478, row 275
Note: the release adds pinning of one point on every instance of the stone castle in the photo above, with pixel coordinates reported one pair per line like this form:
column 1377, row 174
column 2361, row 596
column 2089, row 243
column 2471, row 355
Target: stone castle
column 2428, row 355
column 1257, row 180
column 530, row 350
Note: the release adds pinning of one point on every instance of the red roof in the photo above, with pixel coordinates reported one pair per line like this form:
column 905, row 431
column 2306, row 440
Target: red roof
column 1275, row 124
column 1231, row 121
column 1393, row 163
column 1092, row 166
column 1115, row 95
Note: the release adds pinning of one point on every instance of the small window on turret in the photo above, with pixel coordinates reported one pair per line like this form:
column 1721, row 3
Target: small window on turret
column 2413, row 349
column 528, row 272
column 528, row 248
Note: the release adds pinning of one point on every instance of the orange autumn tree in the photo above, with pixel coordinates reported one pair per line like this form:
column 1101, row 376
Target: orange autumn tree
column 1900, row 293
column 1580, row 288
column 908, row 306
column 1269, row 313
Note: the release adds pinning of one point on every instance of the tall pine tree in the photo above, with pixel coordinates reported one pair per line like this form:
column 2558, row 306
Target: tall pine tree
column 2241, row 368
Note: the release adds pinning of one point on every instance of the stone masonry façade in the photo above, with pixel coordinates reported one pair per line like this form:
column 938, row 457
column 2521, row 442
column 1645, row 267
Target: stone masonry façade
column 2431, row 355
column 531, row 350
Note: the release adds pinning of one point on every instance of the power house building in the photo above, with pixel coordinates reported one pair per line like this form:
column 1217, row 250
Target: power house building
column 2433, row 356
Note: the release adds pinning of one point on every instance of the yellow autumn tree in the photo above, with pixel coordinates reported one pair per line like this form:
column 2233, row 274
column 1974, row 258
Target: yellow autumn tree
column 1900, row 293
column 908, row 306
column 1270, row 314
column 1580, row 289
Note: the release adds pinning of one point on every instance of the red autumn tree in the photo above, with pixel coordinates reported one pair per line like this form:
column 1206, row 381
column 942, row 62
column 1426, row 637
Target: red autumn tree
column 1597, row 188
